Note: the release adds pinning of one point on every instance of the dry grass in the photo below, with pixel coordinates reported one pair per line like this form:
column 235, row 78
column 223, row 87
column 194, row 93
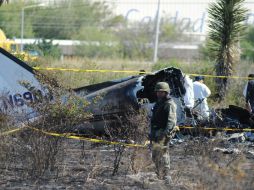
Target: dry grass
column 82, row 165
column 217, row 170
column 78, row 79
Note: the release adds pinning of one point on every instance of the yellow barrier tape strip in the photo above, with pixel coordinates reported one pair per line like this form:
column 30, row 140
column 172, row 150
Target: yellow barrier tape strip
column 66, row 135
column 11, row 131
column 214, row 76
column 123, row 71
column 70, row 136
column 90, row 70
column 218, row 129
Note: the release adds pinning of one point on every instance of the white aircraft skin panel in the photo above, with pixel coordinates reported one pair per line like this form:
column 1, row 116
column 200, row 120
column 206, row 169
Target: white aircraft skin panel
column 12, row 74
column 14, row 97
column 3, row 84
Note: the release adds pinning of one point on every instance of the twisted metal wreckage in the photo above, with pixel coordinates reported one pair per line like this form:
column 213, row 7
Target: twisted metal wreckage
column 118, row 96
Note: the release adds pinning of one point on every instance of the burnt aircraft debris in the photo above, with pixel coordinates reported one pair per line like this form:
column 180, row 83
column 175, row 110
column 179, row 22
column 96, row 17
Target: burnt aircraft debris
column 232, row 117
column 116, row 98
column 227, row 150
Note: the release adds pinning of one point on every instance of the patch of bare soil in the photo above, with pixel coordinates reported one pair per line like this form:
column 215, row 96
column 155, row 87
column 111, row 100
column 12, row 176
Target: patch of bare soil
column 196, row 164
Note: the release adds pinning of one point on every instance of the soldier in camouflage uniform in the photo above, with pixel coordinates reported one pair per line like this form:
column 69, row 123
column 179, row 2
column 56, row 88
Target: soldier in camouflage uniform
column 163, row 126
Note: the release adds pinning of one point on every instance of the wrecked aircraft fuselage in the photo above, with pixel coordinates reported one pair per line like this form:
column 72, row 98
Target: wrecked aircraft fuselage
column 108, row 100
column 115, row 98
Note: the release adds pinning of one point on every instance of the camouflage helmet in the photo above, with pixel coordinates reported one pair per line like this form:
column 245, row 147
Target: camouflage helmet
column 162, row 86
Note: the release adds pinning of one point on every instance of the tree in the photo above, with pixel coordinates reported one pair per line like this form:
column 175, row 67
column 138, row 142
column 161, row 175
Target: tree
column 2, row 1
column 10, row 19
column 48, row 48
column 66, row 19
column 97, row 43
column 225, row 27
column 247, row 45
column 135, row 40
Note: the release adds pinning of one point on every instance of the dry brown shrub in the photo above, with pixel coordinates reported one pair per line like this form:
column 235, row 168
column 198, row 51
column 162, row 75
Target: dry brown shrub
column 35, row 152
column 214, row 169
column 132, row 128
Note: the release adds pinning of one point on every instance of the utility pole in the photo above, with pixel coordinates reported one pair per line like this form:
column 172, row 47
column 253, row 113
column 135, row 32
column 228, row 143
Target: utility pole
column 22, row 22
column 157, row 33
column 22, row 28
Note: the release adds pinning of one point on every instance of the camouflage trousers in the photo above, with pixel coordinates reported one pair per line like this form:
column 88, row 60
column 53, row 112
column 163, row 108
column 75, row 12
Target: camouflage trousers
column 160, row 156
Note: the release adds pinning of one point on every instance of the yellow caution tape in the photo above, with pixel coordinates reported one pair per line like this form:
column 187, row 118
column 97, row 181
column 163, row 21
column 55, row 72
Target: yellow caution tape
column 214, row 76
column 11, row 131
column 66, row 135
column 90, row 70
column 71, row 136
column 218, row 129
column 127, row 71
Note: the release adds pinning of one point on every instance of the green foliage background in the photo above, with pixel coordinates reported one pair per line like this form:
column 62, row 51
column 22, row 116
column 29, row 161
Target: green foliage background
column 88, row 21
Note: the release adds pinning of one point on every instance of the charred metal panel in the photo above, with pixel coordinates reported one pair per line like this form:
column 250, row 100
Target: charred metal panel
column 174, row 77
column 95, row 87
column 112, row 99
column 235, row 114
column 111, row 103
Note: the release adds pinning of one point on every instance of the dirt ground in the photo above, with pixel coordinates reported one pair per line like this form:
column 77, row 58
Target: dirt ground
column 196, row 163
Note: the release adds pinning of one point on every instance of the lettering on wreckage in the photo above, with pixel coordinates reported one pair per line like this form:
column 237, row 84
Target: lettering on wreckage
column 19, row 100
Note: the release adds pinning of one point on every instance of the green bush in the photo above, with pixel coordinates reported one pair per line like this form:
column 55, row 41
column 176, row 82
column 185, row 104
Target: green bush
column 45, row 48
column 247, row 45
column 163, row 64
column 103, row 50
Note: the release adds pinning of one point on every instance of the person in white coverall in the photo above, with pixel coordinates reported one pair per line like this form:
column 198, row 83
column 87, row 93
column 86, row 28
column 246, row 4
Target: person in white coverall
column 188, row 99
column 189, row 95
column 248, row 93
column 201, row 93
column 185, row 105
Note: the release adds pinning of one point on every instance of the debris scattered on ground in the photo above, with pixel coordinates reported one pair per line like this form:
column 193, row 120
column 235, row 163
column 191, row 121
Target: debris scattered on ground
column 227, row 150
column 236, row 137
column 249, row 136
column 250, row 154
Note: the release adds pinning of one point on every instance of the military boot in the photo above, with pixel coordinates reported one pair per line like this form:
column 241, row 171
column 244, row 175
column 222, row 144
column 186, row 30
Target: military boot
column 168, row 180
